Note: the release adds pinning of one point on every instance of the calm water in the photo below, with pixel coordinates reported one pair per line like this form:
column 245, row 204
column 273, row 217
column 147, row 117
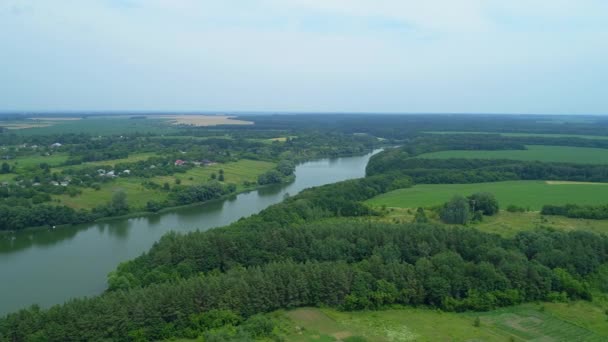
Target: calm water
column 48, row 267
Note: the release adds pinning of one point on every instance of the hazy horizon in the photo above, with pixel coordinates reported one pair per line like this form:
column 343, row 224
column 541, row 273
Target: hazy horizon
column 305, row 56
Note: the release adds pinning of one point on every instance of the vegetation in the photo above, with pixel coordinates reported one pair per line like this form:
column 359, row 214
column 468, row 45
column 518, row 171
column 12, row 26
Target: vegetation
column 336, row 246
column 562, row 154
column 531, row 195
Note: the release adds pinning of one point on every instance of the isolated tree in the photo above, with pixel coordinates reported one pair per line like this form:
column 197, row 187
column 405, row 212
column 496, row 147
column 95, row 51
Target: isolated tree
column 420, row 216
column 456, row 211
column 119, row 202
column 6, row 168
column 485, row 202
column 221, row 176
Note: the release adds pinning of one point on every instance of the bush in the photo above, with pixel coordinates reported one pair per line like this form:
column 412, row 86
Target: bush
column 515, row 209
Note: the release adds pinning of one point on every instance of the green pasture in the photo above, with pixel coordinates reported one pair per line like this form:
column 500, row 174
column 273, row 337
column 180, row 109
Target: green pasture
column 543, row 153
column 538, row 322
column 134, row 157
column 36, row 159
column 506, row 223
column 526, row 194
column 235, row 172
column 512, row 134
column 137, row 194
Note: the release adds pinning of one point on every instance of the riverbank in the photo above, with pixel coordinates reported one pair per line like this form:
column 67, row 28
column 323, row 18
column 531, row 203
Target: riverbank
column 48, row 267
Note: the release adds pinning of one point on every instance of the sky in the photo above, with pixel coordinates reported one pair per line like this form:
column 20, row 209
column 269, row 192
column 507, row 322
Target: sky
column 401, row 56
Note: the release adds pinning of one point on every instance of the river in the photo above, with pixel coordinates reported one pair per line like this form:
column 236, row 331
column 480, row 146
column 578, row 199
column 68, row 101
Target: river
column 47, row 267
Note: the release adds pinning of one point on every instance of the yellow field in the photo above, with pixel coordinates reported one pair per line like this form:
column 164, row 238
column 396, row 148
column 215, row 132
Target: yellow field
column 204, row 120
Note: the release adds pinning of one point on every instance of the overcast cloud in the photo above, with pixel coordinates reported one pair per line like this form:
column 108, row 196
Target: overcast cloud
column 544, row 56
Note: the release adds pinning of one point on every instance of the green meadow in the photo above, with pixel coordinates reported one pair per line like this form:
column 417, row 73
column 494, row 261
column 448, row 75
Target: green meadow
column 138, row 195
column 564, row 154
column 134, row 157
column 236, row 172
column 526, row 194
column 35, row 160
column 575, row 321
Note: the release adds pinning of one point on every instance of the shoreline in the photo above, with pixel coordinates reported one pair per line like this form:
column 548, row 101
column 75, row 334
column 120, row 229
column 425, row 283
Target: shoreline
column 138, row 214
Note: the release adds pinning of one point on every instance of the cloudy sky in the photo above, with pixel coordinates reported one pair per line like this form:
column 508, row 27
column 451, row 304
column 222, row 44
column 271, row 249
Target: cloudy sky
column 482, row 56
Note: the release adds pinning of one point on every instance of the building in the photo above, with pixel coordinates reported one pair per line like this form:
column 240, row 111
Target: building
column 180, row 162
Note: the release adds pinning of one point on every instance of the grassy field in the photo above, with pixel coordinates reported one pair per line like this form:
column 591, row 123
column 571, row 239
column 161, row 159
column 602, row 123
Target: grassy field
column 578, row 321
column 35, row 160
column 565, row 154
column 138, row 195
column 237, row 172
column 526, row 194
column 544, row 135
column 508, row 224
column 134, row 157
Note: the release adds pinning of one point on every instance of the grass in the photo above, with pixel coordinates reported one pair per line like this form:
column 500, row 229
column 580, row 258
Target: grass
column 544, row 135
column 577, row 321
column 509, row 224
column 526, row 194
column 35, row 160
column 564, row 154
column 135, row 157
column 138, row 195
column 235, row 172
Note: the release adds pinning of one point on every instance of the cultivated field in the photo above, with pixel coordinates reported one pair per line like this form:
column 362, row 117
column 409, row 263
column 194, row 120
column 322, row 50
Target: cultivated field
column 565, row 154
column 538, row 322
column 97, row 125
column 526, row 194
column 204, row 120
column 543, row 135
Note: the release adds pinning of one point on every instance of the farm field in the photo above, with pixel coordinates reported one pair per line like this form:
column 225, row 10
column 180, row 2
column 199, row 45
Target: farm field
column 539, row 322
column 526, row 194
column 204, row 120
column 95, row 125
column 138, row 195
column 544, row 135
column 543, row 153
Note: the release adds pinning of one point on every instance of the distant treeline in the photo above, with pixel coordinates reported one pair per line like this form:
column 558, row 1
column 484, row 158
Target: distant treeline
column 405, row 127
column 594, row 212
column 448, row 171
